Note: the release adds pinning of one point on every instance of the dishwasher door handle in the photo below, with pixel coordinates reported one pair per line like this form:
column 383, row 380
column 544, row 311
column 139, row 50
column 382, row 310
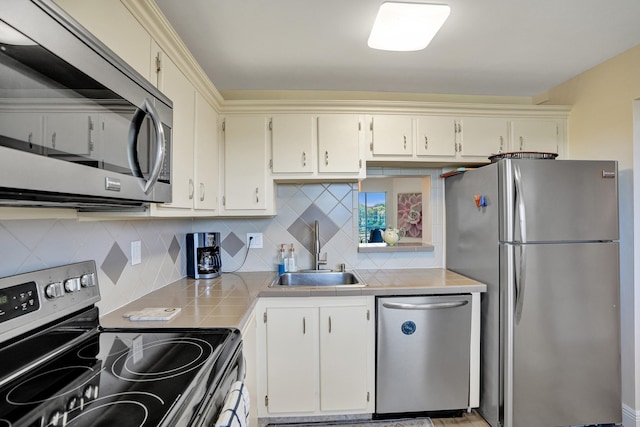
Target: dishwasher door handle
column 428, row 306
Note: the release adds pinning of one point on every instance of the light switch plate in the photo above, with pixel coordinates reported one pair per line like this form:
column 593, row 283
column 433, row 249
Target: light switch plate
column 136, row 252
column 256, row 242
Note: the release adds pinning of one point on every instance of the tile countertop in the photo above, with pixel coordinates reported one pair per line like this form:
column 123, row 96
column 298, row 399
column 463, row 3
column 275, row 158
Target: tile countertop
column 227, row 301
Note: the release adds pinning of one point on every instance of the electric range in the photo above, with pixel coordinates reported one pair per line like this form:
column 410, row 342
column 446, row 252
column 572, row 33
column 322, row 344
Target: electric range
column 59, row 367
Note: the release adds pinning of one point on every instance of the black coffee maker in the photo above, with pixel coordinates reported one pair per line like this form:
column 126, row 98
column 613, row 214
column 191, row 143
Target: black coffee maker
column 203, row 255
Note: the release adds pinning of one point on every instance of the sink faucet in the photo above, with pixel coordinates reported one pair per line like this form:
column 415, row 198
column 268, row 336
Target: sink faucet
column 317, row 261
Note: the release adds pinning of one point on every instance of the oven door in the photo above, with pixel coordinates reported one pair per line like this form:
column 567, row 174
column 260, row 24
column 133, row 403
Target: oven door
column 87, row 125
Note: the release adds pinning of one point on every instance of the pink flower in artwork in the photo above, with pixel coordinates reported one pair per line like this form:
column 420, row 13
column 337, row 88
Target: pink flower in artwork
column 410, row 214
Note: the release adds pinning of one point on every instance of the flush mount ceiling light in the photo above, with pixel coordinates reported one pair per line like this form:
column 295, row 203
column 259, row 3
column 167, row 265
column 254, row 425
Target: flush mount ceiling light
column 407, row 26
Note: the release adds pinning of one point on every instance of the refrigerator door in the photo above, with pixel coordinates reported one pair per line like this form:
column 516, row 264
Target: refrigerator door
column 558, row 200
column 562, row 332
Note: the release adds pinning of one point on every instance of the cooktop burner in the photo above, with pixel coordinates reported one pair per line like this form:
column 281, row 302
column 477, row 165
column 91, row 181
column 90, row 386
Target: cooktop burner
column 124, row 378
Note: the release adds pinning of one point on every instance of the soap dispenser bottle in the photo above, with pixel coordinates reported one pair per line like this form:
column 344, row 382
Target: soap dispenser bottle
column 292, row 263
column 282, row 260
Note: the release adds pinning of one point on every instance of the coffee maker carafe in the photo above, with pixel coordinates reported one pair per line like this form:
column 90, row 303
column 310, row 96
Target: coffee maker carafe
column 203, row 255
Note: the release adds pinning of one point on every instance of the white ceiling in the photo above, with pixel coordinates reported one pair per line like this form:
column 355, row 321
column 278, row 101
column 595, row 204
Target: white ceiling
column 486, row 47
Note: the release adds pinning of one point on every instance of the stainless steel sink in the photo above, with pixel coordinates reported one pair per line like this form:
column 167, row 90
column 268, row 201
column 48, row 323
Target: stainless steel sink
column 319, row 278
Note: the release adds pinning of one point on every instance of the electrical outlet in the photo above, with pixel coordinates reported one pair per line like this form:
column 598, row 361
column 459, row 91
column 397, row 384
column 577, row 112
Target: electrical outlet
column 256, row 241
column 136, row 252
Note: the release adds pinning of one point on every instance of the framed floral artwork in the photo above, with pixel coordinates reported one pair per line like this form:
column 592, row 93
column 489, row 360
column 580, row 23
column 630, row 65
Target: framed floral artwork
column 410, row 214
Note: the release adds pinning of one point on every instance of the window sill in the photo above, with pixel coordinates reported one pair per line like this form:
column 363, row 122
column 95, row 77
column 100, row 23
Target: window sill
column 400, row 247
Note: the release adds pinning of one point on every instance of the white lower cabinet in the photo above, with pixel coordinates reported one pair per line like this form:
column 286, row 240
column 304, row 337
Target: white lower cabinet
column 315, row 356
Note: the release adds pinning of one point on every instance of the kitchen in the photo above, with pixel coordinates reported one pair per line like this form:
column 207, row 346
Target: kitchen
column 597, row 115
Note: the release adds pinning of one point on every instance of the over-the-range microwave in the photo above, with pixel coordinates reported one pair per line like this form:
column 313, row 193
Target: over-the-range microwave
column 78, row 126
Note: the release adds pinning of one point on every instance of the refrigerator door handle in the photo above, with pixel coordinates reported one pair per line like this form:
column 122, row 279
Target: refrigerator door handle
column 520, row 279
column 522, row 218
column 429, row 306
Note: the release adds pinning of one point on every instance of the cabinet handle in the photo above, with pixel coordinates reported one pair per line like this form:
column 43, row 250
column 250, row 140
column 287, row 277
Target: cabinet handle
column 329, row 324
column 257, row 195
column 501, row 143
column 53, row 140
column 521, row 143
column 202, row 191
column 426, row 143
column 326, row 158
column 191, row 189
column 304, row 159
column 304, row 325
column 30, row 138
column 405, row 141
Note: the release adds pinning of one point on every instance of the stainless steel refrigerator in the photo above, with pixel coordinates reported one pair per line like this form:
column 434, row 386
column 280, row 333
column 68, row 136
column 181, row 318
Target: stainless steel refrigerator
column 542, row 234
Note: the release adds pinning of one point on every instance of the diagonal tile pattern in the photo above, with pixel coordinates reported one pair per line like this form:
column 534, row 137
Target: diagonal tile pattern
column 115, row 262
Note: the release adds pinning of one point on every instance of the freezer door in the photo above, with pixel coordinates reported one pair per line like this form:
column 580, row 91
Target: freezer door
column 558, row 200
column 563, row 337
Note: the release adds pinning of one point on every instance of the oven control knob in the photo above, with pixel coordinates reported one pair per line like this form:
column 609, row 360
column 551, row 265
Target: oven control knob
column 73, row 403
column 88, row 280
column 54, row 290
column 58, row 419
column 72, row 285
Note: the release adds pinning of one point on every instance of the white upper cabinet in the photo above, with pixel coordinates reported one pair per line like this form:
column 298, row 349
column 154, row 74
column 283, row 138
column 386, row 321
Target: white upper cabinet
column 535, row 135
column 248, row 190
column 339, row 145
column 436, row 136
column 173, row 83
column 293, row 142
column 391, row 135
column 207, row 159
column 128, row 39
column 483, row 136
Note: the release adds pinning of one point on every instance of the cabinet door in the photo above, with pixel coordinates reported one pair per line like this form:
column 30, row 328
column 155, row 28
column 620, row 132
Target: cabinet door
column 483, row 136
column 292, row 143
column 130, row 41
column 177, row 87
column 339, row 143
column 292, row 359
column 206, row 155
column 535, row 135
column 344, row 351
column 391, row 135
column 245, row 162
column 436, row 136
column 26, row 127
column 71, row 133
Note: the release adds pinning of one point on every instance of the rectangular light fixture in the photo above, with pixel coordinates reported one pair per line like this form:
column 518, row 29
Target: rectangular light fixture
column 407, row 26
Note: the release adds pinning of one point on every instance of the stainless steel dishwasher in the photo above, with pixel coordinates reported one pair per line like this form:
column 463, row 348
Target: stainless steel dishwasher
column 423, row 353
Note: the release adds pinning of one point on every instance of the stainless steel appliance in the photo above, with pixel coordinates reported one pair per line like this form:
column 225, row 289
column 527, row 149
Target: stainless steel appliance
column 203, row 255
column 542, row 235
column 78, row 126
column 61, row 368
column 423, row 353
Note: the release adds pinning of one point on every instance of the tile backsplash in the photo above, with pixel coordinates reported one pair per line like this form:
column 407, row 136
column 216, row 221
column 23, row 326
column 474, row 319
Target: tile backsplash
column 27, row 245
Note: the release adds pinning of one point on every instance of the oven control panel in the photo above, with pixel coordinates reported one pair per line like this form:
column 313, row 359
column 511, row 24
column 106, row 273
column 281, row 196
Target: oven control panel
column 18, row 300
column 34, row 299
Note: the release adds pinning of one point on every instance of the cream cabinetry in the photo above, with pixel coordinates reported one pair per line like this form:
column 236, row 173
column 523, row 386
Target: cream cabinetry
column 339, row 144
column 293, row 142
column 248, row 190
column 130, row 40
column 535, row 135
column 436, row 136
column 391, row 135
column 207, row 159
column 173, row 83
column 482, row 136
column 315, row 356
column 316, row 146
column 71, row 133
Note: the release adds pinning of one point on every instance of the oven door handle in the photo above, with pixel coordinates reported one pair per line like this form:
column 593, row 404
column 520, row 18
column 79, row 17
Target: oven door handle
column 134, row 131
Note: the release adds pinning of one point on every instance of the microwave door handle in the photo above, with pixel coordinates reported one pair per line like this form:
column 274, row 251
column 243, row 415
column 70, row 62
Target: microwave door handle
column 147, row 108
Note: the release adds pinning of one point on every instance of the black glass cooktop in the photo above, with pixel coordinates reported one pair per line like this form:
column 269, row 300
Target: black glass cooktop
column 115, row 378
